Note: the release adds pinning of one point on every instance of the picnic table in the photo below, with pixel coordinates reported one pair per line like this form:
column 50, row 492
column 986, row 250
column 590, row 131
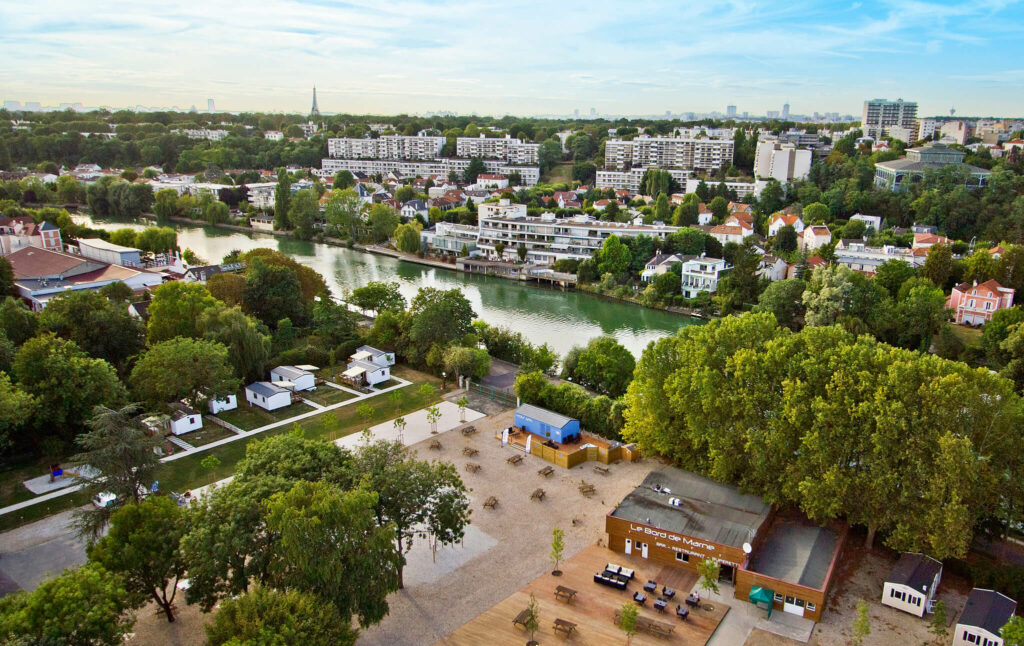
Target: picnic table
column 521, row 618
column 491, row 503
column 660, row 604
column 538, row 494
column 651, row 586
column 567, row 594
column 565, row 627
column 470, row 451
column 682, row 612
column 515, row 459
column 588, row 489
column 640, row 598
column 693, row 599
column 469, row 430
column 546, row 471
column 472, row 467
column 602, row 470
column 435, row 445
column 645, row 625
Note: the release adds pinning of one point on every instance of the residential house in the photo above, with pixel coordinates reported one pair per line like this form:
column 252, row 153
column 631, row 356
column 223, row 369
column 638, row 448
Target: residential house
column 997, row 252
column 374, row 356
column 983, row 617
column 773, row 268
column 267, row 395
column 740, row 218
column 412, row 208
column 183, row 419
column 369, row 366
column 725, row 233
column 974, row 304
column 704, row 215
column 294, row 378
column 492, row 180
column 20, row 232
column 780, row 220
column 928, row 240
column 813, row 237
column 912, row 583
column 659, row 264
column 872, row 221
column 701, row 274
column 450, row 238
column 858, row 256
column 220, row 404
column 140, row 310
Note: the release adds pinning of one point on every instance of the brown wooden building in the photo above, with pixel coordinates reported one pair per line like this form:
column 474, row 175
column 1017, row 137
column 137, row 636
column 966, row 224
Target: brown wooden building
column 679, row 518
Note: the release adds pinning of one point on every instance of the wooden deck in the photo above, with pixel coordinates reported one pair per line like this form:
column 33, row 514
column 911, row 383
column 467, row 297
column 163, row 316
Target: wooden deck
column 593, row 608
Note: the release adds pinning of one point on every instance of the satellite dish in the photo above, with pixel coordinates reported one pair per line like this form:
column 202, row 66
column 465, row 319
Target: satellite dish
column 747, row 548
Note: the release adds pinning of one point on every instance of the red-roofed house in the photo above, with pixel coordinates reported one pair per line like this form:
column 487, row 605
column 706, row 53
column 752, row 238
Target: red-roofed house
column 926, row 240
column 729, row 233
column 997, row 251
column 741, row 218
column 780, row 220
column 974, row 304
column 740, row 206
column 813, row 237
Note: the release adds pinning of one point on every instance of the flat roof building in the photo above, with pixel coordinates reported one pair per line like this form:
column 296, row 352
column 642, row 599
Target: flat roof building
column 897, row 174
column 879, row 115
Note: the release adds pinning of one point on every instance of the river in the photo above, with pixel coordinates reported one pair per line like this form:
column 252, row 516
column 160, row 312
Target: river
column 561, row 319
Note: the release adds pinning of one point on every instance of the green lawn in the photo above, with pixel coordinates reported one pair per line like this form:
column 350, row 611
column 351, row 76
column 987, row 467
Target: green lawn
column 969, row 336
column 327, row 396
column 188, row 473
column 248, row 417
column 560, row 174
column 209, row 433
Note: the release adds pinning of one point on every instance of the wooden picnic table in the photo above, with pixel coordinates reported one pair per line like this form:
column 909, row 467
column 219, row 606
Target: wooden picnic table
column 491, row 503
column 435, row 445
column 567, row 594
column 602, row 470
column 538, row 494
column 588, row 489
column 565, row 627
column 515, row 459
column 470, row 451
column 469, row 430
column 546, row 471
column 472, row 467
column 521, row 618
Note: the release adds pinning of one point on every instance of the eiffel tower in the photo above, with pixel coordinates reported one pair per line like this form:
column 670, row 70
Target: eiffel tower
column 314, row 113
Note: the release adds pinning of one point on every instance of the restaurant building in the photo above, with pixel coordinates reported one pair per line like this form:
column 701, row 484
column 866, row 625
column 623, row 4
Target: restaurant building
column 679, row 518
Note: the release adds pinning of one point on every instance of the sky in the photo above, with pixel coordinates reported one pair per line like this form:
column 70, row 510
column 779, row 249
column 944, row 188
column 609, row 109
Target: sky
column 520, row 58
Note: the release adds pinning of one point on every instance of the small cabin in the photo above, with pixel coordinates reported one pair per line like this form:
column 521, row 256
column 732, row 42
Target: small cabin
column 184, row 419
column 983, row 617
column 267, row 395
column 218, row 405
column 374, row 356
column 366, row 373
column 300, row 376
column 912, row 583
column 547, row 424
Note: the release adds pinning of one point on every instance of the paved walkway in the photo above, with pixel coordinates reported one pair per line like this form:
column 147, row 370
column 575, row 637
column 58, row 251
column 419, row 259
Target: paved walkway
column 180, row 443
column 402, row 383
column 417, row 428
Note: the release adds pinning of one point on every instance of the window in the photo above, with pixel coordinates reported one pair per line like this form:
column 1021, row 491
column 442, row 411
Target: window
column 683, row 556
column 778, row 597
column 811, row 607
column 970, row 303
column 988, row 306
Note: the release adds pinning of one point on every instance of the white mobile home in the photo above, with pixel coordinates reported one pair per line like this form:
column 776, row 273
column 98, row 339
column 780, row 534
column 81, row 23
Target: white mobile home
column 911, row 585
column 222, row 404
column 267, row 395
column 184, row 419
column 374, row 356
column 365, row 373
column 983, row 616
column 298, row 375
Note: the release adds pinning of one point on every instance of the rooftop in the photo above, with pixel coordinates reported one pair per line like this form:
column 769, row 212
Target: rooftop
column 987, row 609
column 265, row 388
column 914, row 570
column 796, row 553
column 543, row 415
column 708, row 510
column 290, row 372
column 98, row 243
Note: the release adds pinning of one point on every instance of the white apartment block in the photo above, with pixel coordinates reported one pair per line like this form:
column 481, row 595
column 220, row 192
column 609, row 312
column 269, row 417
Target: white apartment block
column 686, row 153
column 906, row 135
column 203, row 133
column 514, row 151
column 273, row 135
column 743, row 189
column 450, row 238
column 261, row 194
column 879, row 115
column 784, row 162
column 386, row 147
column 926, row 128
column 707, row 133
column 860, row 257
column 530, row 175
column 548, row 238
column 702, row 275
column 632, row 179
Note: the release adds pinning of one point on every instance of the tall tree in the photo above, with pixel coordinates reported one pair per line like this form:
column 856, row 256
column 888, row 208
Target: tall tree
column 614, row 257
column 282, row 197
column 17, row 321
column 102, row 328
column 273, row 293
column 175, row 310
column 246, row 339
column 284, row 618
column 193, row 370
column 302, row 209
column 605, row 366
column 378, row 296
column 439, row 317
column 16, row 410
column 6, row 278
column 938, row 265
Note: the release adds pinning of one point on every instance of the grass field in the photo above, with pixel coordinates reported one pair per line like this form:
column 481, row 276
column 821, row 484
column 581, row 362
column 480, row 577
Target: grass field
column 188, row 473
column 560, row 174
column 209, row 433
column 327, row 396
column 248, row 417
column 969, row 336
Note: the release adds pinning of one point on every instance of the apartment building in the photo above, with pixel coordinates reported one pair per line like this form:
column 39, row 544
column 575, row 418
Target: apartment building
column 450, row 239
column 897, row 174
column 879, row 115
column 261, row 194
column 513, row 151
column 386, row 147
column 203, row 133
column 686, row 153
column 529, row 175
column 782, row 161
column 701, row 274
column 743, row 189
column 548, row 238
column 958, row 131
column 860, row 257
column 632, row 179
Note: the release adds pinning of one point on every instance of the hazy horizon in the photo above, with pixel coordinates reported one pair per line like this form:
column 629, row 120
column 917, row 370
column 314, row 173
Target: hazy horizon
column 525, row 59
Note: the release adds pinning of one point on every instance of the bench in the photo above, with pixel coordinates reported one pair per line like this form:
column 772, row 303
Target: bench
column 588, row 490
column 515, row 459
column 538, row 494
column 567, row 628
column 546, row 471
column 564, row 593
column 602, row 470
column 470, row 451
column 616, row 581
column 491, row 503
column 472, row 467
column 435, row 445
column 521, row 618
column 618, row 569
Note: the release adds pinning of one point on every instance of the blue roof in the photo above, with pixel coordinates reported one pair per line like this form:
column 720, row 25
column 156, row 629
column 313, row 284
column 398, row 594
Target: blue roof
column 47, row 226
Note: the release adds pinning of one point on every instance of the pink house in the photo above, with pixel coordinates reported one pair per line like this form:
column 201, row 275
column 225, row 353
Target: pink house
column 975, row 304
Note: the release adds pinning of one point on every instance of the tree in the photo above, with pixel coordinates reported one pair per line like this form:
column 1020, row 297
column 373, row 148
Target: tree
column 413, row 496
column 532, row 622
column 193, row 370
column 938, row 265
column 462, row 403
column 521, row 251
column 122, row 453
column 627, row 620
column 920, row 314
column 614, row 257
column 719, row 208
column 378, row 297
column 273, row 293
column 176, row 309
column 475, row 169
column 165, row 204
column 331, row 546
column 16, row 320
column 661, row 209
column 382, row 221
column 344, row 212
column 407, row 237
column 16, row 410
column 861, row 624
column 1013, row 632
column 102, row 328
column 282, row 196
column 6, row 278
column 66, row 383
column 246, row 340
column 117, row 292
column 785, row 239
column 365, row 412
column 611, row 212
column 708, row 572
column 557, row 547
column 433, row 416
column 229, row 288
column 891, row 275
column 263, row 616
column 784, row 300
column 157, row 239
column 605, row 366
column 440, row 317
column 937, row 624
column 343, row 179
column 302, row 208
column 143, row 547
column 311, row 283
column 86, row 606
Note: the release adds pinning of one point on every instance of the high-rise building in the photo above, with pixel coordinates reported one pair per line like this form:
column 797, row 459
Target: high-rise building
column 879, row 115
column 785, row 110
column 593, row 112
column 314, row 112
column 730, row 111
column 209, row 106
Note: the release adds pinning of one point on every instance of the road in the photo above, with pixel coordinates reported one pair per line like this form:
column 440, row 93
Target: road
column 35, row 552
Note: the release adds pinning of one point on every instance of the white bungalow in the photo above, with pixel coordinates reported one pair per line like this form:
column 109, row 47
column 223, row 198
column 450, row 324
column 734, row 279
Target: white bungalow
column 301, row 376
column 983, row 617
column 366, row 373
column 267, row 395
column 184, row 419
column 218, row 405
column 911, row 585
column 374, row 356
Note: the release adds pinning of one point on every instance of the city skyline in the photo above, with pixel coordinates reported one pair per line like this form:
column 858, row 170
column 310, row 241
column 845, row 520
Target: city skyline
column 404, row 57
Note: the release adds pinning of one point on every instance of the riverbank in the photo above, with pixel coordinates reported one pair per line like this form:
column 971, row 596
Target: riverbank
column 682, row 311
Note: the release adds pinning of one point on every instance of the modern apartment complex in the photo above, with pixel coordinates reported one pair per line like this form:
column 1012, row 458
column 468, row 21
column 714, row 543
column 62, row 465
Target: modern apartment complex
column 783, row 161
column 632, row 179
column 879, row 115
column 896, row 174
column 386, row 147
column 686, row 153
column 548, row 238
column 529, row 175
column 450, row 238
column 514, row 151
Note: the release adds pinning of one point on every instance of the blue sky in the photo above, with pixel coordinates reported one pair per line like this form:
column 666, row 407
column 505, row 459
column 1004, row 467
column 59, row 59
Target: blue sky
column 525, row 58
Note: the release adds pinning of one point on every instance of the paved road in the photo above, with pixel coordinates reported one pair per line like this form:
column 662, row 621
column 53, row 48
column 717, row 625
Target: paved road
column 34, row 552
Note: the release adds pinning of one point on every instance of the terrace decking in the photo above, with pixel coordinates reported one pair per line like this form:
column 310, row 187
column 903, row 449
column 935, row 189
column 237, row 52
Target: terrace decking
column 589, row 448
column 592, row 608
